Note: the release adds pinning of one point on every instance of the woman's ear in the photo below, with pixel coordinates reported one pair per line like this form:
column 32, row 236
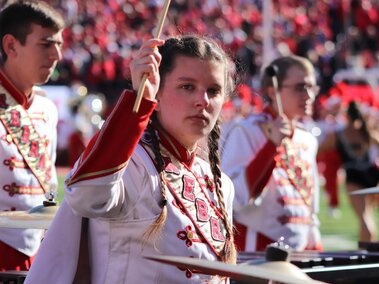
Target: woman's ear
column 158, row 106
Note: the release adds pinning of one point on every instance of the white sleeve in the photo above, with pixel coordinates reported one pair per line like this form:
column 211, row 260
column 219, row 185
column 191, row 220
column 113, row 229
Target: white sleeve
column 241, row 146
column 115, row 195
column 229, row 194
column 98, row 197
column 316, row 176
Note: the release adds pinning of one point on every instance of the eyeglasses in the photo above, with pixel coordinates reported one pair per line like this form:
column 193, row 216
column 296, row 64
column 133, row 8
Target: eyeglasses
column 301, row 87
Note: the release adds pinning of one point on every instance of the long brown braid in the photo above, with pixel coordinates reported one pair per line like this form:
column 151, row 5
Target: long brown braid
column 156, row 227
column 230, row 254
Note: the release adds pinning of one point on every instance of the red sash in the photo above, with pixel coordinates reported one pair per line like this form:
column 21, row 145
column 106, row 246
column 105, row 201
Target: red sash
column 191, row 198
column 21, row 130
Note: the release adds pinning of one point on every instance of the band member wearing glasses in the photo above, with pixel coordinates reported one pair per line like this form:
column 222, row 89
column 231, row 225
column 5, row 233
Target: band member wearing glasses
column 271, row 160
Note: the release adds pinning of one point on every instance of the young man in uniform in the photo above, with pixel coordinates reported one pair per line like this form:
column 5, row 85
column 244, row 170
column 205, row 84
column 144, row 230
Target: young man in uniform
column 271, row 159
column 30, row 42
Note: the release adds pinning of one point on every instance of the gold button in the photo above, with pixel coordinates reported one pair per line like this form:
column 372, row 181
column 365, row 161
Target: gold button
column 9, row 138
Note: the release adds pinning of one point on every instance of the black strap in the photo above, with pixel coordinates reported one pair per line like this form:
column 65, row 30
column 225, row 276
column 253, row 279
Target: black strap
column 83, row 269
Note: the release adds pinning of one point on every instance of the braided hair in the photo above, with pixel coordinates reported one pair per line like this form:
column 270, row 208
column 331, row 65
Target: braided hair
column 229, row 254
column 355, row 115
column 206, row 49
column 158, row 224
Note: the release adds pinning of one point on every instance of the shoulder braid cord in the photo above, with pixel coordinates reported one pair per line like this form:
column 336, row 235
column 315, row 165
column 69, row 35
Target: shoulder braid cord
column 230, row 254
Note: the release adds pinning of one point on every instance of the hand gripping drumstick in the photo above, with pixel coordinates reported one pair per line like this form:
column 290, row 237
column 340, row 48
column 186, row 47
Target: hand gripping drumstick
column 158, row 31
column 272, row 71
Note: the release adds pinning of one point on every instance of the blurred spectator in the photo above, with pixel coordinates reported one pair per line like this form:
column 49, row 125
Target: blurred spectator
column 327, row 119
column 87, row 117
column 359, row 152
column 237, row 108
column 76, row 139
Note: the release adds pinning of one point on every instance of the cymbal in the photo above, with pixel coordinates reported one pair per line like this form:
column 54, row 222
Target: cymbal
column 38, row 217
column 365, row 191
column 281, row 271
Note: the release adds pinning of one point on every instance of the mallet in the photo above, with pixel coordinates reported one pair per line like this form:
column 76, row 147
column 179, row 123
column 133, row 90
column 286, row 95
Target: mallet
column 272, row 71
column 158, row 31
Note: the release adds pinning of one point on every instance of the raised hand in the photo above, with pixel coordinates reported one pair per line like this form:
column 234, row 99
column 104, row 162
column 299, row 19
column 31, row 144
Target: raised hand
column 278, row 129
column 146, row 61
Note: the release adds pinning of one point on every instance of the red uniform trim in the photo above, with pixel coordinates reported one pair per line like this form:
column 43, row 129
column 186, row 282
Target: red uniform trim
column 202, row 234
column 13, row 163
column 12, row 259
column 284, row 200
column 259, row 171
column 262, row 242
column 283, row 219
column 110, row 149
column 13, row 189
column 29, row 143
column 240, row 235
column 189, row 236
column 175, row 148
column 332, row 163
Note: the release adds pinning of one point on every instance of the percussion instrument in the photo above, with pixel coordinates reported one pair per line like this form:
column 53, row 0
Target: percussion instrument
column 365, row 191
column 277, row 270
column 359, row 266
column 12, row 277
column 38, row 217
column 274, row 266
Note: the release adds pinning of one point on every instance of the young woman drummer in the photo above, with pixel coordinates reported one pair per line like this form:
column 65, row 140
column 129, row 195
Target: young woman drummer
column 141, row 183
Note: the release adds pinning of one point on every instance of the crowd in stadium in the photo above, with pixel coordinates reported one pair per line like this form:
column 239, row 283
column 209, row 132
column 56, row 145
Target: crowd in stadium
column 102, row 35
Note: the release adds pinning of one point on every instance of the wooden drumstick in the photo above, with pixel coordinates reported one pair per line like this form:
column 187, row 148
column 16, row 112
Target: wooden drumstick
column 158, row 31
column 272, row 71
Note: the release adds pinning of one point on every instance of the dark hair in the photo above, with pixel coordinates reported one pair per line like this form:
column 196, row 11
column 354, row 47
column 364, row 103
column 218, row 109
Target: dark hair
column 205, row 49
column 355, row 115
column 18, row 16
column 281, row 66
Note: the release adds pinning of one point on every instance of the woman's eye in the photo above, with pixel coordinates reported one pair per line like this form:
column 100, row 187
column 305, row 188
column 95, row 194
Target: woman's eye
column 214, row 91
column 187, row 87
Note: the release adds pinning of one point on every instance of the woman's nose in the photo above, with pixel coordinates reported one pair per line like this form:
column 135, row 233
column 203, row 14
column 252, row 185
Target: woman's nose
column 202, row 99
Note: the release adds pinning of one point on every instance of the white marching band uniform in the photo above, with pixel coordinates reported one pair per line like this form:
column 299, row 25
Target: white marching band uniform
column 282, row 198
column 27, row 171
column 116, row 184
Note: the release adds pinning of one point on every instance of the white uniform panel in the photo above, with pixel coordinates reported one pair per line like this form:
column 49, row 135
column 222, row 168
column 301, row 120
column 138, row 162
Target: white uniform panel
column 117, row 227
